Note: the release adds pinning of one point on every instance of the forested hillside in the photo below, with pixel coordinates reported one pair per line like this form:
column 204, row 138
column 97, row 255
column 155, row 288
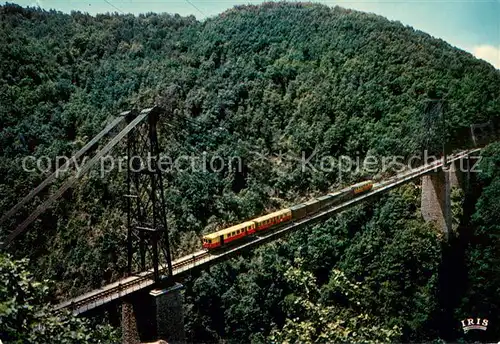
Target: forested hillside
column 260, row 83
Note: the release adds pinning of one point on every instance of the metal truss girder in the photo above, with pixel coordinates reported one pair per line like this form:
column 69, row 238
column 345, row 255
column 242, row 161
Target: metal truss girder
column 147, row 235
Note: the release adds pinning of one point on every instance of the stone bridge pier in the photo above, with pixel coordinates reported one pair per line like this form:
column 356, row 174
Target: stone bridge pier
column 436, row 192
column 153, row 316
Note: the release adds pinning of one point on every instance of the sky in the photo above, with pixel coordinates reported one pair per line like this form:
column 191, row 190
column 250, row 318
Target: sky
column 471, row 25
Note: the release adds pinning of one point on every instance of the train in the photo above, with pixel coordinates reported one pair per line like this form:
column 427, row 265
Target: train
column 224, row 237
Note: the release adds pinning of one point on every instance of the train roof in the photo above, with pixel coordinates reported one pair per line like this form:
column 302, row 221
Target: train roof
column 362, row 183
column 271, row 215
column 228, row 230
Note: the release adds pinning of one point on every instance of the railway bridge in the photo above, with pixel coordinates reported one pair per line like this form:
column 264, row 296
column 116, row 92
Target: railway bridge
column 151, row 298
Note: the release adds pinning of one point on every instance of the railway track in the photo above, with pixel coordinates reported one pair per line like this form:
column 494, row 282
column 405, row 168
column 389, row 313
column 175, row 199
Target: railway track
column 128, row 285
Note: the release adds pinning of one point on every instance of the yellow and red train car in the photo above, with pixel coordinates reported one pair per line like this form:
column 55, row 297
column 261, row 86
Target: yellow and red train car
column 237, row 232
column 269, row 220
column 225, row 236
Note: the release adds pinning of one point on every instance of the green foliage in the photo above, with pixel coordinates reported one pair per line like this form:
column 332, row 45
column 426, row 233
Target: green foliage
column 251, row 83
column 457, row 203
column 311, row 321
column 482, row 255
column 397, row 257
column 293, row 290
column 25, row 315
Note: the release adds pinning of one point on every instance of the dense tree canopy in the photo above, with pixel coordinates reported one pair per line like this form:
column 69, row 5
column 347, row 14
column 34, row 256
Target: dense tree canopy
column 25, row 315
column 264, row 86
column 482, row 255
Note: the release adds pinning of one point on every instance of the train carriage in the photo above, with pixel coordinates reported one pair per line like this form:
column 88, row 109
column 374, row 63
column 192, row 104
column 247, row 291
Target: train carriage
column 312, row 206
column 266, row 221
column 324, row 201
column 225, row 236
column 362, row 187
column 298, row 211
column 341, row 196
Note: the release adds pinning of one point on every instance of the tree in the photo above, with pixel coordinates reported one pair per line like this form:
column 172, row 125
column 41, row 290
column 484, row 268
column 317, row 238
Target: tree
column 344, row 318
column 26, row 317
column 482, row 255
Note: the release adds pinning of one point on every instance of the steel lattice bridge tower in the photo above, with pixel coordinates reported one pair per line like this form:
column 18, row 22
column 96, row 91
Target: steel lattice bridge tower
column 147, row 235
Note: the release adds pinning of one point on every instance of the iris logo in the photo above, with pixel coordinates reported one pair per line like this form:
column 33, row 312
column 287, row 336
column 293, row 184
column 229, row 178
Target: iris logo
column 474, row 324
